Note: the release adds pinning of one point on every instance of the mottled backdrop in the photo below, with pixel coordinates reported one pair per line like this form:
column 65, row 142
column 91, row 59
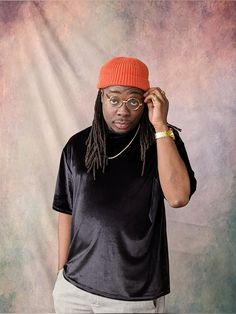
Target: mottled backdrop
column 50, row 54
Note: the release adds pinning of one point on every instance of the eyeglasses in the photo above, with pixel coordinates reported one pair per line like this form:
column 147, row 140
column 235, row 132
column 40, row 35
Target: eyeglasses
column 131, row 103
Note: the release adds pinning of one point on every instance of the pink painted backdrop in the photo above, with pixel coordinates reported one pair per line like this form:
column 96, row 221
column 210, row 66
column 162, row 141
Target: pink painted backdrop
column 50, row 54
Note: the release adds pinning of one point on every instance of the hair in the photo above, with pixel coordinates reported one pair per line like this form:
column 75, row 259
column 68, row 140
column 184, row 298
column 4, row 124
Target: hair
column 96, row 155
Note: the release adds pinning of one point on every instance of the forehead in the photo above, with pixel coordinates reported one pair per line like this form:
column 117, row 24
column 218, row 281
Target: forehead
column 123, row 90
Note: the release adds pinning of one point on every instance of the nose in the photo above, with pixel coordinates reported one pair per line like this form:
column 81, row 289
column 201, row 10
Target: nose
column 123, row 110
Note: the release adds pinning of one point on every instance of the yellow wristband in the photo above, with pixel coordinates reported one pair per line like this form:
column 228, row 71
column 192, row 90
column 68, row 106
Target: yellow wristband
column 168, row 133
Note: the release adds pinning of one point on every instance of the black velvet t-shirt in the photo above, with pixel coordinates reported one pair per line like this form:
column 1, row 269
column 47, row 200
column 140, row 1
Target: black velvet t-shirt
column 118, row 239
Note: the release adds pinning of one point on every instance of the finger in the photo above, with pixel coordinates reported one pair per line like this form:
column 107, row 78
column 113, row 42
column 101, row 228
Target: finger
column 153, row 98
column 149, row 91
column 161, row 93
column 150, row 107
column 154, row 89
column 161, row 96
column 158, row 92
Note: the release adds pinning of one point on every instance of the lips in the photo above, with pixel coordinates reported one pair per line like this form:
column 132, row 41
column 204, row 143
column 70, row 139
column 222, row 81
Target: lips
column 122, row 124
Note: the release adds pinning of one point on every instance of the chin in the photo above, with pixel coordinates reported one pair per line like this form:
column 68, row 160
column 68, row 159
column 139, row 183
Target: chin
column 121, row 130
column 122, row 127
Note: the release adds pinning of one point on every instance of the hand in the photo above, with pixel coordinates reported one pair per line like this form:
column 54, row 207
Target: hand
column 158, row 106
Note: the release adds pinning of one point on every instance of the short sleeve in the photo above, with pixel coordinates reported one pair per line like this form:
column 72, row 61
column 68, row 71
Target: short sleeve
column 183, row 154
column 63, row 196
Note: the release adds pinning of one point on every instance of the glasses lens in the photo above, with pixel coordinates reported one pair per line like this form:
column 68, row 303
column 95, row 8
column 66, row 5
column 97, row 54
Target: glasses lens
column 133, row 103
column 114, row 101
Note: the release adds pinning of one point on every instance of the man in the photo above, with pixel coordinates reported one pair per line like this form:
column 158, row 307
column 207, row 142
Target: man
column 111, row 185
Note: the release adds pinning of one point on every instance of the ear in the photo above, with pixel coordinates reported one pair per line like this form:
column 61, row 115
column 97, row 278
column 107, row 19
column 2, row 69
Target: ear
column 102, row 95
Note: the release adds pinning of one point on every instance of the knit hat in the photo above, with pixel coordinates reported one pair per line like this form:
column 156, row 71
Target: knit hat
column 124, row 71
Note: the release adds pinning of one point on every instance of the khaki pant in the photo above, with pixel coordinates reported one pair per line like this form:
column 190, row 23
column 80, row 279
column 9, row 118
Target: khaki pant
column 69, row 299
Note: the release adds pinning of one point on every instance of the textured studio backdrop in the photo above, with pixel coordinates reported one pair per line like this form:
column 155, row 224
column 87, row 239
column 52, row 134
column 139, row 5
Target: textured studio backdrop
column 50, row 55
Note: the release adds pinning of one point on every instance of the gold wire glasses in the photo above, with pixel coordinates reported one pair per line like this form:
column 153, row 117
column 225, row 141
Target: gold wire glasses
column 132, row 103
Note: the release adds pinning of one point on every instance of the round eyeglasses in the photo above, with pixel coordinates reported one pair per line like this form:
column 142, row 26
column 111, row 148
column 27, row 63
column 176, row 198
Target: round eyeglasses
column 131, row 103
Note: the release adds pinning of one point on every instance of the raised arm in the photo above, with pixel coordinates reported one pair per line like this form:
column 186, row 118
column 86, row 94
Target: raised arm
column 173, row 174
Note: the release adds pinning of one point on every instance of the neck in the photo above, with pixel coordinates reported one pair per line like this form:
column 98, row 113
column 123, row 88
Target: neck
column 113, row 134
column 122, row 140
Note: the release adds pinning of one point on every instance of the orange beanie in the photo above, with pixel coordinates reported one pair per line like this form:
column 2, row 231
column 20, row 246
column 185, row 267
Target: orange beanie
column 124, row 71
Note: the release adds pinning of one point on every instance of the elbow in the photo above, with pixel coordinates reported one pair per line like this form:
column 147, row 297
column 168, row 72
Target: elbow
column 178, row 202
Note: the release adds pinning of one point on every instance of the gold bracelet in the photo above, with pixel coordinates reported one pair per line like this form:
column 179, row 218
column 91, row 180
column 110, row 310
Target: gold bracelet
column 168, row 133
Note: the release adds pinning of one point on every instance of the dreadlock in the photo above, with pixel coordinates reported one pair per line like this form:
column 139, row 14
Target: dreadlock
column 96, row 155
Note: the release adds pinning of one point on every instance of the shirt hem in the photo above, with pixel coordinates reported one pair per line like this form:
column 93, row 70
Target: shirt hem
column 112, row 296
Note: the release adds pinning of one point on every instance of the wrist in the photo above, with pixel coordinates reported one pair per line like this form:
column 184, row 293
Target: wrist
column 161, row 127
column 166, row 133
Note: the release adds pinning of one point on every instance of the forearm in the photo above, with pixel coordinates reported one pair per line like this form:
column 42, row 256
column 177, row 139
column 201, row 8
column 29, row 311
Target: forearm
column 64, row 232
column 172, row 171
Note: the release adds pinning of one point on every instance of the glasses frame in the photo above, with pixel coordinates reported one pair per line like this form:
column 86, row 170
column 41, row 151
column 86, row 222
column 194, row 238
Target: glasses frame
column 125, row 101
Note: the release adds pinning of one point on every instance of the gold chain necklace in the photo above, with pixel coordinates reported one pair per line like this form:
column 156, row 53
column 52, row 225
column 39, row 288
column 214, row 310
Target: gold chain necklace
column 112, row 157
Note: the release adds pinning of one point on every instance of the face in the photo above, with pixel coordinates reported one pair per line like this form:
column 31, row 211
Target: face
column 121, row 119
